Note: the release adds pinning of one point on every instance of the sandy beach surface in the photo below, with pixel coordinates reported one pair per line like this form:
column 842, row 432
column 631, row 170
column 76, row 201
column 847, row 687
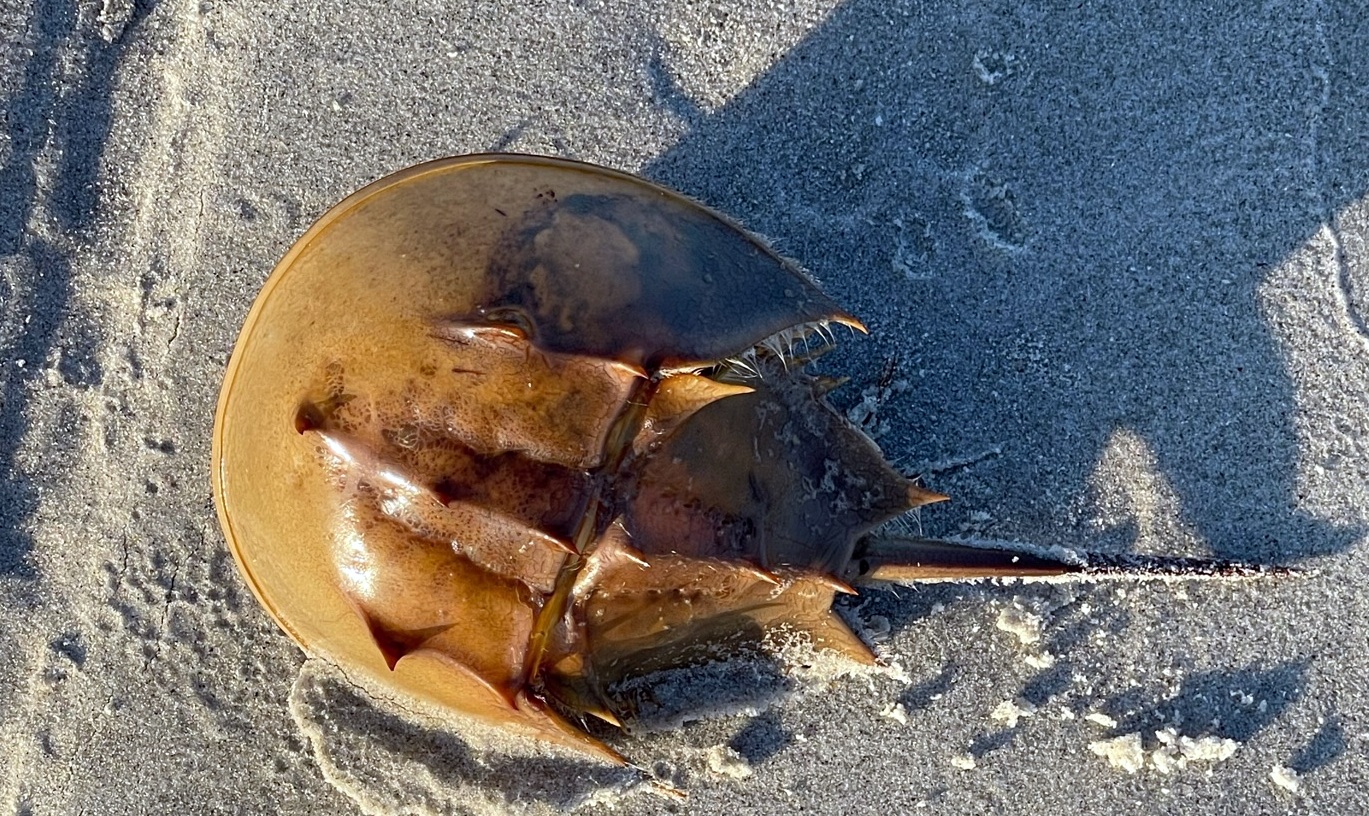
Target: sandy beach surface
column 1117, row 260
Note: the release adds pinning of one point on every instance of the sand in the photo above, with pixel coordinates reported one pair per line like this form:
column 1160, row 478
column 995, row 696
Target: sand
column 1118, row 260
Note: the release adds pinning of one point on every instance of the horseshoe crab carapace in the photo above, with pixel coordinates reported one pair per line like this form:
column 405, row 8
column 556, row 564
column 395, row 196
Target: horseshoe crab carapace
column 504, row 431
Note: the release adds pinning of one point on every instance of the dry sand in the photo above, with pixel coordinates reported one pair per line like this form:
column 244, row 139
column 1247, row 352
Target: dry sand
column 1118, row 258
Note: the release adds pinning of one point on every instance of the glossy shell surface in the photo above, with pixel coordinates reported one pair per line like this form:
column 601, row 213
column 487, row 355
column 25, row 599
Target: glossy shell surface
column 502, row 432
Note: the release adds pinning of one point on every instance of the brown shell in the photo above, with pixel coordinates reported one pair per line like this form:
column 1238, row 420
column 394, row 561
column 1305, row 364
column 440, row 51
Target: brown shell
column 502, row 431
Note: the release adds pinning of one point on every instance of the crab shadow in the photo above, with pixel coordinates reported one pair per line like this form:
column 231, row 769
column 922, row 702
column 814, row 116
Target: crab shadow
column 371, row 744
column 1057, row 241
column 368, row 742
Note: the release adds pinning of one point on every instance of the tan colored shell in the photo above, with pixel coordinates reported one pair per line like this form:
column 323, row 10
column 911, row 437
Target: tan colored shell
column 480, row 442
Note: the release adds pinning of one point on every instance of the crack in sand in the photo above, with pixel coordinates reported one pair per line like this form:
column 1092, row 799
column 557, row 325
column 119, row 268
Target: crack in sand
column 175, row 330
column 1342, row 286
column 963, row 462
column 168, row 598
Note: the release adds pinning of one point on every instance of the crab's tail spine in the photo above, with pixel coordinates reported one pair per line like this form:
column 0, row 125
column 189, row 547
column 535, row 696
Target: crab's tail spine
column 904, row 559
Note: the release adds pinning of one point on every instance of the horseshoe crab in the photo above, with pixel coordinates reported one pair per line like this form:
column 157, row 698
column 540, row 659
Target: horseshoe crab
column 504, row 431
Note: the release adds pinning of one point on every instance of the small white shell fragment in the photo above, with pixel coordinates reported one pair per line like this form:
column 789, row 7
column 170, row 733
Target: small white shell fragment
column 1166, row 759
column 964, row 762
column 1025, row 625
column 1099, row 718
column 726, row 762
column 1042, row 660
column 1122, row 752
column 895, row 712
column 1009, row 712
column 1286, row 778
column 1174, row 752
column 1197, row 749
